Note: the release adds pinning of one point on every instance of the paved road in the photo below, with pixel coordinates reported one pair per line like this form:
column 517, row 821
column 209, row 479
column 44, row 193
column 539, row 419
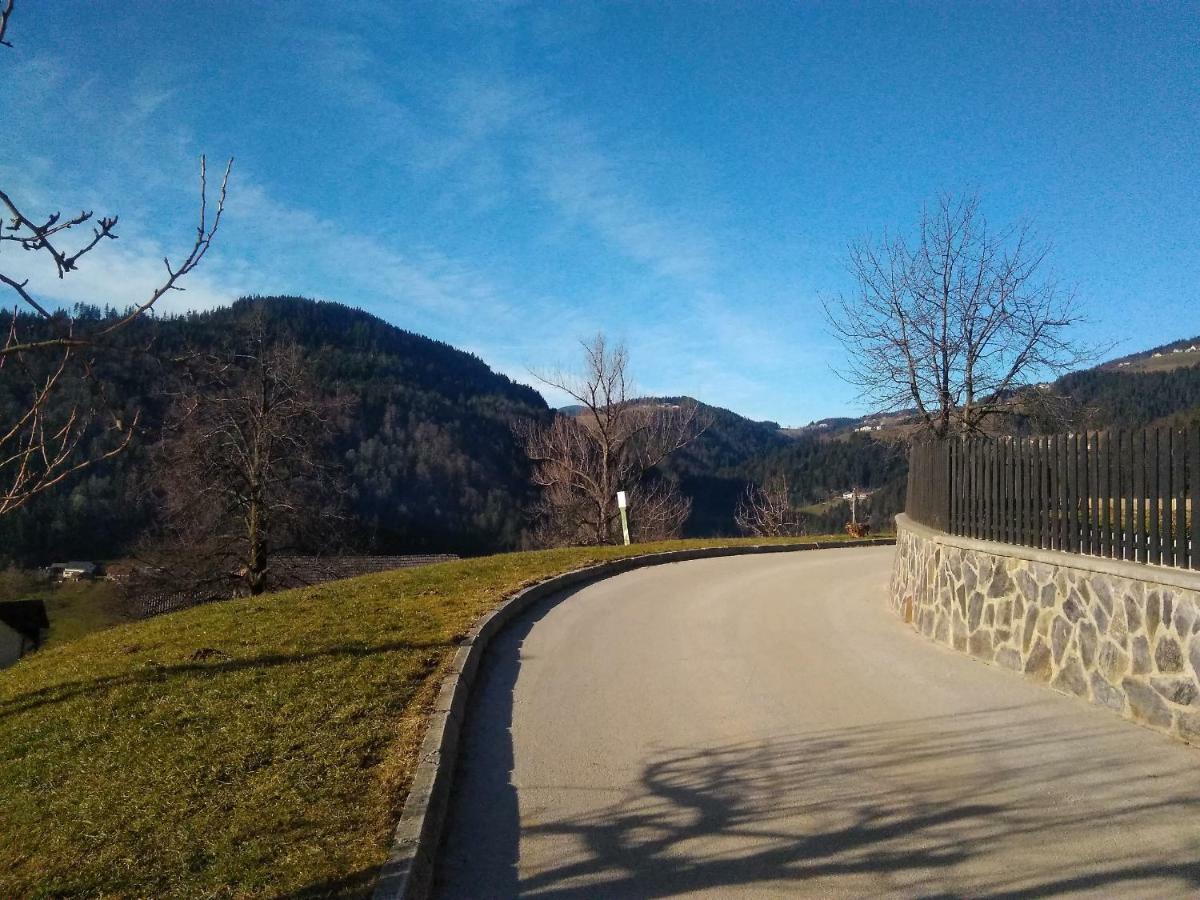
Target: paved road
column 764, row 726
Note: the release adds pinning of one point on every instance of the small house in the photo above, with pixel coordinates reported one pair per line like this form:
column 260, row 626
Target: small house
column 23, row 625
column 118, row 571
column 76, row 570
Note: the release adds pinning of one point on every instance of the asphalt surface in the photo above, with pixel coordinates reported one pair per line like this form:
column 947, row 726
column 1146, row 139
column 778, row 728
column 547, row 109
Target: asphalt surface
column 766, row 726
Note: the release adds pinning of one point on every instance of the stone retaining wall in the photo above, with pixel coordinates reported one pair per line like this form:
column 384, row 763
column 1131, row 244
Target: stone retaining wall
column 1122, row 635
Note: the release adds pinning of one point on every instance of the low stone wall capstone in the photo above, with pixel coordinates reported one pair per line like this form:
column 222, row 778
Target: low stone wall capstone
column 1122, row 635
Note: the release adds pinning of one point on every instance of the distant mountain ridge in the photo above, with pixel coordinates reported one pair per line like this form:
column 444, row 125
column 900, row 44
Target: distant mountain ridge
column 428, row 450
column 432, row 464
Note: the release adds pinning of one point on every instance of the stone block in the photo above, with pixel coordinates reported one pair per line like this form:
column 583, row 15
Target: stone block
column 975, row 611
column 1071, row 679
column 1104, row 694
column 1178, row 690
column 1102, row 592
column 1081, row 584
column 1141, row 656
column 1045, row 617
column 1187, row 726
column 1184, row 618
column 1194, row 657
column 1049, row 595
column 1041, row 572
column 1039, row 665
column 1113, row 662
column 980, row 644
column 1086, row 638
column 958, row 632
column 1133, row 614
column 1001, row 584
column 1028, row 630
column 1009, row 658
column 1168, row 657
column 1153, row 613
column 1146, row 705
column 1118, row 629
column 1060, row 636
column 969, row 577
column 1027, row 585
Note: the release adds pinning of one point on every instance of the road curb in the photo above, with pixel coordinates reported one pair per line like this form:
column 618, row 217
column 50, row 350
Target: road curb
column 407, row 874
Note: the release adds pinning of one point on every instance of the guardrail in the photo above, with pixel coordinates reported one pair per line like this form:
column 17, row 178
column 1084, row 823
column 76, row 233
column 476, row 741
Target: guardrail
column 1125, row 494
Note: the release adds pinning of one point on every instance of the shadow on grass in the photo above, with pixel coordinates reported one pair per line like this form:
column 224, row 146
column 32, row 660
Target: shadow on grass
column 1005, row 802
column 357, row 884
column 151, row 673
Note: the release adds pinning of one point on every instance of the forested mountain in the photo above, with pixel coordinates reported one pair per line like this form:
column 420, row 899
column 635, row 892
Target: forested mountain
column 1123, row 398
column 425, row 444
column 713, row 470
column 428, row 456
column 734, row 451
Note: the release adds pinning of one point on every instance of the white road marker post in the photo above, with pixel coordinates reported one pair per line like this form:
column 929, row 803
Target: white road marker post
column 621, row 504
column 852, row 496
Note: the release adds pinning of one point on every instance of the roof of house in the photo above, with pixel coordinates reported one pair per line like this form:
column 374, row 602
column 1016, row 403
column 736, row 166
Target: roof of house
column 81, row 565
column 26, row 616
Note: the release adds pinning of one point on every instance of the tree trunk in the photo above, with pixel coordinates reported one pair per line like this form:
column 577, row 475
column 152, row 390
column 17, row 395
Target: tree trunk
column 256, row 563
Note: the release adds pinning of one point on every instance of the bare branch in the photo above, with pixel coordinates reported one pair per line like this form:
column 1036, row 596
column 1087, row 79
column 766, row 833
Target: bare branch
column 581, row 462
column 5, row 12
column 767, row 511
column 41, row 446
column 953, row 325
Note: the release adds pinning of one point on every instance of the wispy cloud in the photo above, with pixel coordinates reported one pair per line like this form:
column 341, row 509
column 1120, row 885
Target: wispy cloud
column 511, row 177
column 587, row 187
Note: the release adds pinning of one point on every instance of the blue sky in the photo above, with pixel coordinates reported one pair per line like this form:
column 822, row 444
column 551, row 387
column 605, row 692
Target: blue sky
column 509, row 177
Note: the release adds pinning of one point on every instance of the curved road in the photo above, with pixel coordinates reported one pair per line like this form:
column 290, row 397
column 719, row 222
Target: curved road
column 764, row 725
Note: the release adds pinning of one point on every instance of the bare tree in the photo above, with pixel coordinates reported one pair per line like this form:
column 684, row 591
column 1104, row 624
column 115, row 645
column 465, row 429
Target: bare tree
column 657, row 511
column 242, row 472
column 956, row 321
column 48, row 359
column 767, row 511
column 581, row 461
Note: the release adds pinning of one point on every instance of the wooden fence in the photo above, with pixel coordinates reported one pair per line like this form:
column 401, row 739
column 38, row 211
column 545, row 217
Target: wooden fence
column 1117, row 494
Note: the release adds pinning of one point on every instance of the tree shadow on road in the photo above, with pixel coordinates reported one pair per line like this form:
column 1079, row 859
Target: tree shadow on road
column 483, row 853
column 1020, row 802
column 967, row 805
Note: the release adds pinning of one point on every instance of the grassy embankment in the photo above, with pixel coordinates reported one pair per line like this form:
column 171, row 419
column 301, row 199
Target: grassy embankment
column 257, row 747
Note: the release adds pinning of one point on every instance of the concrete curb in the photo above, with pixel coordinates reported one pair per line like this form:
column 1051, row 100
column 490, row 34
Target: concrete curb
column 408, row 872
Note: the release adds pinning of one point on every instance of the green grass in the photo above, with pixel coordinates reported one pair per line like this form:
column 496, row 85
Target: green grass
column 74, row 608
column 257, row 747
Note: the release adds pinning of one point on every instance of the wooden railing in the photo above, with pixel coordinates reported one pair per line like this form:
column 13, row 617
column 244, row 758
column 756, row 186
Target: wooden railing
column 1117, row 494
